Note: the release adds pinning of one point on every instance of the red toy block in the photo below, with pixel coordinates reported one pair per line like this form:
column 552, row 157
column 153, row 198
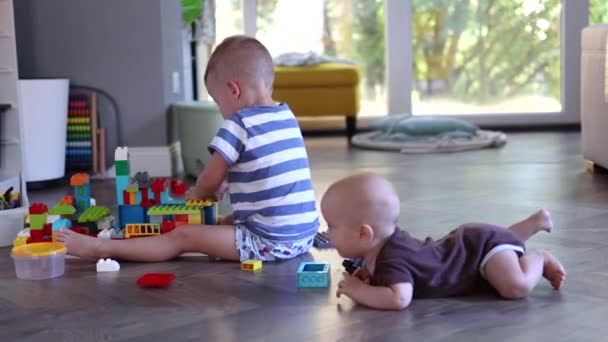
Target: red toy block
column 155, row 279
column 36, row 234
column 178, row 187
column 167, row 226
column 146, row 203
column 80, row 230
column 181, row 218
column 159, row 185
column 38, row 208
column 48, row 229
column 126, row 197
column 144, row 194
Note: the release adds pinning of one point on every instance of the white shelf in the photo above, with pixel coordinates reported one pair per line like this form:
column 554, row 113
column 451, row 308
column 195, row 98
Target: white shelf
column 5, row 70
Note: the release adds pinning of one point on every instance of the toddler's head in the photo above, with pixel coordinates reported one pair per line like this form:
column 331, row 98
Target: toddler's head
column 240, row 74
column 361, row 211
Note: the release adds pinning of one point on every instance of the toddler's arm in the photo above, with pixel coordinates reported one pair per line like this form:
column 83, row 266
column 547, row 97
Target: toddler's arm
column 393, row 297
column 209, row 182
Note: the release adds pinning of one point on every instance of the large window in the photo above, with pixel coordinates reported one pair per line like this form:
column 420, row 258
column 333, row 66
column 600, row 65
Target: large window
column 229, row 19
column 598, row 11
column 350, row 29
column 497, row 62
column 489, row 57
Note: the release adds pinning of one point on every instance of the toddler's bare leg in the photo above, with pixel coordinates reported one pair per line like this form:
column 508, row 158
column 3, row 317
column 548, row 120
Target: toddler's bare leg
column 515, row 277
column 541, row 220
column 218, row 241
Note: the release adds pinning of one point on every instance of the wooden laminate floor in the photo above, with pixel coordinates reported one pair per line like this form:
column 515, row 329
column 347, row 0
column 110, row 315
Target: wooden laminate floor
column 215, row 301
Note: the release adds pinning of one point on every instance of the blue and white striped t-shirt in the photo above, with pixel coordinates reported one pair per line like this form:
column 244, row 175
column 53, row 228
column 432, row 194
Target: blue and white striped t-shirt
column 268, row 176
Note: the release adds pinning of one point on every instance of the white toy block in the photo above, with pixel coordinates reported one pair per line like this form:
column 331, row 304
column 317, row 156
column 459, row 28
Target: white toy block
column 121, row 153
column 105, row 234
column 107, row 265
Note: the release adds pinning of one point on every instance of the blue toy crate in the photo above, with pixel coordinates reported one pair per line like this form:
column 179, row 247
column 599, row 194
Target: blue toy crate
column 313, row 274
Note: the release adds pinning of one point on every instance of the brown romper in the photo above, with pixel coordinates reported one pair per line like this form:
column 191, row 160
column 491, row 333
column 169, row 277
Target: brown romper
column 450, row 266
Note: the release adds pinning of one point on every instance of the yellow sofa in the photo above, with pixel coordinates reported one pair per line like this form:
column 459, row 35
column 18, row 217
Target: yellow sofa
column 320, row 90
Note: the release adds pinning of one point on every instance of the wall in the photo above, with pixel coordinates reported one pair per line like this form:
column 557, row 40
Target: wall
column 130, row 49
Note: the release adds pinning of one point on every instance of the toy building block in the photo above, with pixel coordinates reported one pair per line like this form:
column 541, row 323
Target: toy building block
column 63, row 210
column 165, row 210
column 167, row 226
column 251, row 265
column 105, row 223
column 61, row 223
column 352, row 265
column 210, row 214
column 142, row 179
column 38, row 215
column 155, row 279
column 121, row 186
column 79, row 179
column 313, row 274
column 105, row 234
column 68, row 200
column 82, row 191
column 38, row 209
column 143, row 229
column 121, row 153
column 321, row 241
column 94, row 214
column 178, row 188
column 159, row 189
column 117, row 234
column 131, row 214
column 107, row 265
column 122, row 167
column 195, row 219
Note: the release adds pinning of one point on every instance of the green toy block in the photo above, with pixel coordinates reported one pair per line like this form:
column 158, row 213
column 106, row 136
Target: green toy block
column 122, row 167
column 62, row 209
column 37, row 221
column 94, row 214
column 174, row 210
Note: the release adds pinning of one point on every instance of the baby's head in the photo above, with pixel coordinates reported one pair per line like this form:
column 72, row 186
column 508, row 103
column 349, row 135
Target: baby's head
column 360, row 211
column 240, row 74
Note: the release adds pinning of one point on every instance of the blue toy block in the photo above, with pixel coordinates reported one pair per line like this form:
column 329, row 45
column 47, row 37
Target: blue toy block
column 156, row 219
column 82, row 196
column 138, row 198
column 131, row 214
column 313, row 274
column 209, row 213
column 164, row 197
column 61, row 223
column 121, row 184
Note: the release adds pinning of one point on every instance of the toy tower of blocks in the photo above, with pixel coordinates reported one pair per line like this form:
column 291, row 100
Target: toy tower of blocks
column 82, row 191
column 121, row 163
column 38, row 214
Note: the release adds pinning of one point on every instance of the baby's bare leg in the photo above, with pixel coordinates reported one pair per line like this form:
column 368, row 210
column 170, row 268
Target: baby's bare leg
column 514, row 277
column 541, row 220
column 218, row 241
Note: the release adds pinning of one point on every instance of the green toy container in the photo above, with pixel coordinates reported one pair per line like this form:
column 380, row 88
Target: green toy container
column 195, row 125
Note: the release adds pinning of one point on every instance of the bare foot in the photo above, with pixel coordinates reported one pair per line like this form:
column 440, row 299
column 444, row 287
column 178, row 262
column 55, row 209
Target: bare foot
column 542, row 218
column 553, row 270
column 80, row 245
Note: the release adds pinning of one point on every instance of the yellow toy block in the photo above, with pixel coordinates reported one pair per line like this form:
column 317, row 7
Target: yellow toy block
column 194, row 219
column 251, row 265
column 19, row 241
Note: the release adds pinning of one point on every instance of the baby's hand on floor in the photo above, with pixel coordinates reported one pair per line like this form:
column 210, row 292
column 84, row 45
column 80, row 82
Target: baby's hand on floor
column 349, row 285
